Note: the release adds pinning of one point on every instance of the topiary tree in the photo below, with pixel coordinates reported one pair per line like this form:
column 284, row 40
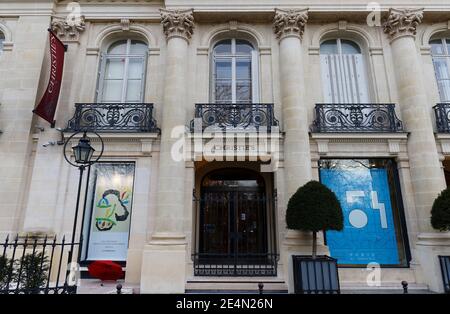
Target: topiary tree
column 314, row 207
column 440, row 212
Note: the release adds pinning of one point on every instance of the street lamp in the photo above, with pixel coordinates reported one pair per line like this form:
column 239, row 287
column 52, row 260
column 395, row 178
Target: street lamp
column 83, row 153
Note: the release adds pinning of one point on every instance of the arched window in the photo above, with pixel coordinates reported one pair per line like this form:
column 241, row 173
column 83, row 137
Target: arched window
column 343, row 76
column 440, row 51
column 234, row 72
column 2, row 39
column 122, row 72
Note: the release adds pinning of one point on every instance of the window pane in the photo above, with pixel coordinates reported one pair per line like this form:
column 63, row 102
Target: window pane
column 138, row 47
column 243, row 69
column 243, row 91
column 349, row 47
column 2, row 39
column 223, row 91
column 436, row 47
column 114, row 68
column 119, row 47
column 448, row 46
column 243, row 47
column 109, row 209
column 112, row 91
column 135, row 68
column 329, row 47
column 223, row 47
column 134, row 90
column 223, row 69
column 444, row 90
column 368, row 192
column 441, row 68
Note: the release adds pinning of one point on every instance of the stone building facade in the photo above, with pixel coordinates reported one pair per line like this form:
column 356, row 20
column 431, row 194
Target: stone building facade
column 349, row 93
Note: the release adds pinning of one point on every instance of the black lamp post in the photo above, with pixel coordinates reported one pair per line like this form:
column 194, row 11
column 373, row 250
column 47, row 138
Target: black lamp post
column 83, row 153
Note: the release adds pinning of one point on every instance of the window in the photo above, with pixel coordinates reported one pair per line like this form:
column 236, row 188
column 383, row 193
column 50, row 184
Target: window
column 234, row 72
column 2, row 39
column 343, row 75
column 106, row 225
column 122, row 72
column 374, row 224
column 440, row 51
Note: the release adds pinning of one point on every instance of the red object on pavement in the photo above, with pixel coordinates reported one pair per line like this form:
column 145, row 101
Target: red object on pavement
column 105, row 270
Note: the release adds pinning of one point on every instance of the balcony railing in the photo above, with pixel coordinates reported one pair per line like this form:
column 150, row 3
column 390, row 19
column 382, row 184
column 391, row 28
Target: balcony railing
column 234, row 117
column 356, row 118
column 113, row 117
column 442, row 112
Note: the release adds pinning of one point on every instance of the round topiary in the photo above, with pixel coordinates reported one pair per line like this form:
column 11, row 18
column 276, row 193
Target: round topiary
column 314, row 207
column 440, row 212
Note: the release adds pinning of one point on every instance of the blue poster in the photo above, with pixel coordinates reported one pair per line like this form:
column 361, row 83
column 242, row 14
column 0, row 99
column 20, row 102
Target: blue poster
column 369, row 231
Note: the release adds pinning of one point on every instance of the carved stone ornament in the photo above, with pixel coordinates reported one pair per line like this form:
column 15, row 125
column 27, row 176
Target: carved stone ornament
column 68, row 29
column 402, row 22
column 177, row 23
column 290, row 22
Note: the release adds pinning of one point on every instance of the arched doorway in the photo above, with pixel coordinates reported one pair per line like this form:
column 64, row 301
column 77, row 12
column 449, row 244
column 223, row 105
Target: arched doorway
column 233, row 225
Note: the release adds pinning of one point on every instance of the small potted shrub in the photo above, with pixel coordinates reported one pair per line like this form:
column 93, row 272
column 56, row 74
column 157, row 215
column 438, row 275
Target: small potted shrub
column 314, row 208
column 440, row 220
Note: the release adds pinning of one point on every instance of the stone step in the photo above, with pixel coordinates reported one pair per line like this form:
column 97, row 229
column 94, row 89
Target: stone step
column 385, row 287
column 233, row 285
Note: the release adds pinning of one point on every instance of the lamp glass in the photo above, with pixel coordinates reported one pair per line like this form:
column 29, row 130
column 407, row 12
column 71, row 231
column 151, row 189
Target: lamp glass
column 83, row 152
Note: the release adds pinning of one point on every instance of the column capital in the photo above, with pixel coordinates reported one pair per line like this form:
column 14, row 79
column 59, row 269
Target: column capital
column 177, row 23
column 290, row 23
column 402, row 22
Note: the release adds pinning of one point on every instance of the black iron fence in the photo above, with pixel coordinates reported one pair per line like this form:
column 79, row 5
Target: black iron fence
column 248, row 264
column 113, row 117
column 445, row 268
column 442, row 113
column 37, row 266
column 356, row 118
column 229, row 116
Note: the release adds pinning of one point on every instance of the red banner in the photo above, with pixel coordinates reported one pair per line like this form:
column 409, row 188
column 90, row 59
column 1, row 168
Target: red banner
column 47, row 106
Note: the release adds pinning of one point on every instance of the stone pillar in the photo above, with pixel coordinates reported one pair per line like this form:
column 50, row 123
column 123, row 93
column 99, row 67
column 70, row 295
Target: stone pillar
column 164, row 258
column 289, row 27
column 427, row 177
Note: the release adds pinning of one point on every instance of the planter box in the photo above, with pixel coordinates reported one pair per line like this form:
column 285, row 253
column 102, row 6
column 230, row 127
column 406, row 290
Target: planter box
column 318, row 276
column 445, row 268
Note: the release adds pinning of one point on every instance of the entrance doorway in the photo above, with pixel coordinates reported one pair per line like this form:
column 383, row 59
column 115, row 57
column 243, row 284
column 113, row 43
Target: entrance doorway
column 234, row 225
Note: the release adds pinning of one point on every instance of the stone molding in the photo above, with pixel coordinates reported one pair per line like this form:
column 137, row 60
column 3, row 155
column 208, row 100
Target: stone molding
column 288, row 23
column 68, row 30
column 177, row 23
column 402, row 22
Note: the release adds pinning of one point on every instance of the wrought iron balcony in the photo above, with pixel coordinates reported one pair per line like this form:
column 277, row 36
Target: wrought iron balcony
column 234, row 117
column 442, row 112
column 113, row 117
column 356, row 118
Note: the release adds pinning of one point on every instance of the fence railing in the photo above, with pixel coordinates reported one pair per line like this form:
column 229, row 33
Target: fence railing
column 249, row 265
column 113, row 117
column 37, row 266
column 356, row 118
column 442, row 113
column 234, row 117
column 445, row 268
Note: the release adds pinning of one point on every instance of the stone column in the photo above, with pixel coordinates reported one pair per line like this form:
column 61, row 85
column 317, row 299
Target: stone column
column 427, row 177
column 164, row 258
column 289, row 27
